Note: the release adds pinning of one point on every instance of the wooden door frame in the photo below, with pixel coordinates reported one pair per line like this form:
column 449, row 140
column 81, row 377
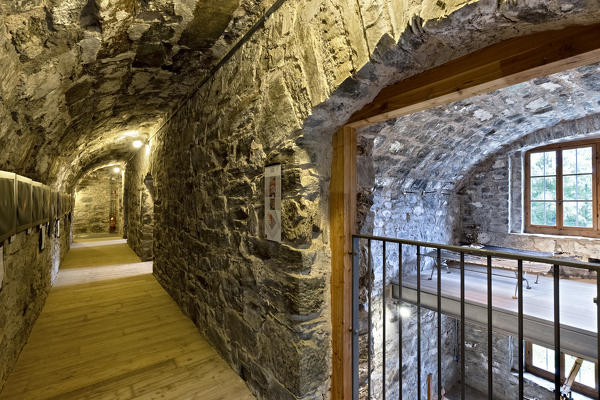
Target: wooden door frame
column 503, row 64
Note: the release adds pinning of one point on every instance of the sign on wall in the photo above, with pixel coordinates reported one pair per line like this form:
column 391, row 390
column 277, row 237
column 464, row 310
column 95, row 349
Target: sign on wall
column 273, row 202
column 42, row 237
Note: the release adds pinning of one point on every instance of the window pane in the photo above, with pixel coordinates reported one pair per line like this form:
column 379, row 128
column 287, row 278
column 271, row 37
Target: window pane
column 550, row 191
column 584, row 187
column 570, row 213
column 537, row 188
column 584, row 160
column 542, row 357
column 543, row 213
column 585, row 215
column 569, row 160
column 550, row 213
column 537, row 164
column 570, row 187
column 537, row 213
column 550, row 158
column 586, row 375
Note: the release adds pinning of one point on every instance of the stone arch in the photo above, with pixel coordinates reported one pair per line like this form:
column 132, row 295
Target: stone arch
column 507, row 165
column 98, row 201
column 214, row 149
column 392, row 61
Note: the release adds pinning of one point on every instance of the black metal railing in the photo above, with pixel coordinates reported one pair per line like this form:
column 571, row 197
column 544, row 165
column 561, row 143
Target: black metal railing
column 362, row 245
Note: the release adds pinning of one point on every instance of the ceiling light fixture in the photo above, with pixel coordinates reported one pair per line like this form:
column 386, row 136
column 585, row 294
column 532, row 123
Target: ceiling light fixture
column 137, row 144
column 117, row 170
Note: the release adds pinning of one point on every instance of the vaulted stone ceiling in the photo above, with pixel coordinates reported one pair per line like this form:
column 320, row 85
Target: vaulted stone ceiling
column 436, row 149
column 77, row 74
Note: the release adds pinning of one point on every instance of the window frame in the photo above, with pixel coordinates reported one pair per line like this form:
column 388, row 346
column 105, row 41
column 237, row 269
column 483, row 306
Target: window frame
column 560, row 229
column 549, row 376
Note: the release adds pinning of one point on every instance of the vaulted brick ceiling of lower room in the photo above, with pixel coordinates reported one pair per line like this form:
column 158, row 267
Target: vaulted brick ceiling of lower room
column 436, row 149
column 77, row 74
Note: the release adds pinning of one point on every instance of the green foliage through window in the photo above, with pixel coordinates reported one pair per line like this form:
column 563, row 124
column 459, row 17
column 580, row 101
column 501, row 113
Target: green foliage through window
column 577, row 179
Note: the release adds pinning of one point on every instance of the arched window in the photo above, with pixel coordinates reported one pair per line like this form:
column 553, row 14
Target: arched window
column 561, row 189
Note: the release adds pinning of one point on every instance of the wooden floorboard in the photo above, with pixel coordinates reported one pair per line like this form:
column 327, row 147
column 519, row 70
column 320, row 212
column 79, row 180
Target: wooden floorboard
column 112, row 332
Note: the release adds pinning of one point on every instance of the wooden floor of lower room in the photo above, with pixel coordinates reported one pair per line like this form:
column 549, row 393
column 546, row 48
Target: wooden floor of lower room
column 109, row 331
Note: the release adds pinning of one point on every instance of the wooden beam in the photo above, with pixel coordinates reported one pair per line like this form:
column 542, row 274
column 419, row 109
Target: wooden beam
column 342, row 216
column 494, row 67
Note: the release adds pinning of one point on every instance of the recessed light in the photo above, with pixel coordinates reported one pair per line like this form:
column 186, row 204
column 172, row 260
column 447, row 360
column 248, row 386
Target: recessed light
column 116, row 170
column 137, row 144
column 404, row 312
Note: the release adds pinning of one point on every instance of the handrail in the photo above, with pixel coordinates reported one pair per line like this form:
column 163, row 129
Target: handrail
column 493, row 253
column 556, row 262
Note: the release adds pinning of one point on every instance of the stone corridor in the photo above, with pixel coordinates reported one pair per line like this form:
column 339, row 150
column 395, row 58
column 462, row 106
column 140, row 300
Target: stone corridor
column 212, row 161
column 109, row 331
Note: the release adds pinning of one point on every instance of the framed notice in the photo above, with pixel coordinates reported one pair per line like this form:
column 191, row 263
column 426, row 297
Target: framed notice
column 42, row 237
column 273, row 202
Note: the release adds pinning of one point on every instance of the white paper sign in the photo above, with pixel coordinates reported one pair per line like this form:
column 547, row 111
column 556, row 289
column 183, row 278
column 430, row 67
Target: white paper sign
column 273, row 202
column 42, row 237
column 1, row 265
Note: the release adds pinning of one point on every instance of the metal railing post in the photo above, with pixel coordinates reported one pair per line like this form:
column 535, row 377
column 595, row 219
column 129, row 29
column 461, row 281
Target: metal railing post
column 520, row 318
column 419, row 322
column 598, row 327
column 384, row 321
column 369, row 290
column 355, row 290
column 400, row 341
column 490, row 349
column 463, row 383
column 556, row 275
column 439, row 322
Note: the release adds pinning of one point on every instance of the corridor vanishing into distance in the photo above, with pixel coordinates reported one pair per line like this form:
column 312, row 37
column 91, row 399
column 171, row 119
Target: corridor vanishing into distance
column 109, row 331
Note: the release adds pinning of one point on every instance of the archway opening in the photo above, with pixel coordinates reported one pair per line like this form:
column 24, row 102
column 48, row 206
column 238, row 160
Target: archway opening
column 419, row 168
column 98, row 207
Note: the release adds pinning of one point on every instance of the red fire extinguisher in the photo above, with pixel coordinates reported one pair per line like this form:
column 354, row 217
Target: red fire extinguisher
column 113, row 224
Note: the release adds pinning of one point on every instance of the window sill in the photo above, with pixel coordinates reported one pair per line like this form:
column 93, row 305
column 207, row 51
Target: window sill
column 548, row 385
column 554, row 236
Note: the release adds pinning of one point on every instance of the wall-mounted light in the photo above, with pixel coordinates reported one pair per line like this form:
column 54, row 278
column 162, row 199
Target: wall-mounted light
column 116, row 170
column 404, row 312
column 137, row 144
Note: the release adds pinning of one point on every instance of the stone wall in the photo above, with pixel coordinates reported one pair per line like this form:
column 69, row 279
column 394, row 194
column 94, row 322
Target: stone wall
column 492, row 202
column 98, row 197
column 139, row 204
column 28, row 273
column 266, row 306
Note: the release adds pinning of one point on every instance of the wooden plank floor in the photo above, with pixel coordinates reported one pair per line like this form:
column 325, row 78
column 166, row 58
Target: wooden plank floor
column 124, row 338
